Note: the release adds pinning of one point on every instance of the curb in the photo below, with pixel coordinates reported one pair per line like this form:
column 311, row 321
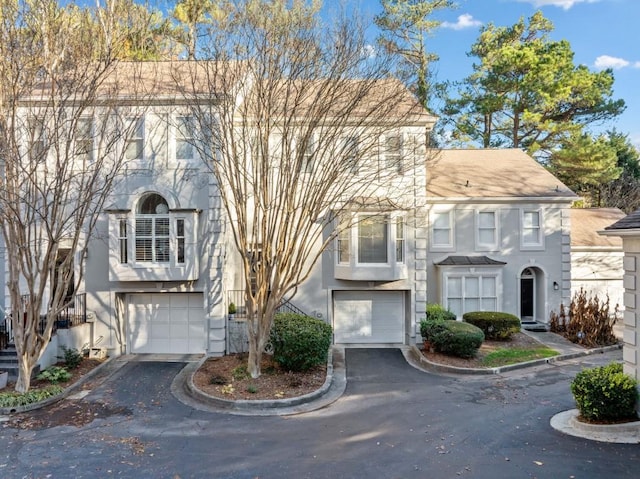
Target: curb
column 567, row 422
column 58, row 397
column 330, row 391
column 442, row 368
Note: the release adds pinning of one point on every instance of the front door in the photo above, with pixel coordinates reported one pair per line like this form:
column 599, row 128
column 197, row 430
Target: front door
column 527, row 295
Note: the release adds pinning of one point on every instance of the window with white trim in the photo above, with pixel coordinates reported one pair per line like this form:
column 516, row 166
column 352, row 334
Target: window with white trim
column 123, row 239
column 442, row 229
column 37, row 141
column 393, row 154
column 152, row 230
column 134, row 147
column 531, row 229
column 486, row 230
column 352, row 153
column 373, row 239
column 466, row 293
column 308, row 154
column 84, row 140
column 184, row 138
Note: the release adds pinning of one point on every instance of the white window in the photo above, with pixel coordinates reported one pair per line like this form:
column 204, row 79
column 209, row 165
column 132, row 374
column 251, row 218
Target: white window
column 393, row 154
column 344, row 245
column 37, row 141
column 308, row 154
column 123, row 239
column 184, row 138
column 352, row 154
column 84, row 140
column 134, row 148
column 442, row 230
column 373, row 239
column 180, row 240
column 531, row 229
column 153, row 238
column 486, row 230
column 466, row 293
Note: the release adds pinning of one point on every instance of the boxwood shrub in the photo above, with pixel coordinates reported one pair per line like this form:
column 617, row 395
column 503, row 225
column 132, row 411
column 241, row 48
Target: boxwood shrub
column 605, row 393
column 299, row 342
column 437, row 312
column 494, row 325
column 452, row 337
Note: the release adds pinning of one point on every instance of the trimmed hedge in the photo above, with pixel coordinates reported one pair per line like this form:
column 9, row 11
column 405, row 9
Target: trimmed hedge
column 452, row 337
column 437, row 312
column 494, row 325
column 605, row 393
column 299, row 342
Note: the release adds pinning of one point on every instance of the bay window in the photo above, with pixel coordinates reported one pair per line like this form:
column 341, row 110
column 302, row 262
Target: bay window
column 371, row 246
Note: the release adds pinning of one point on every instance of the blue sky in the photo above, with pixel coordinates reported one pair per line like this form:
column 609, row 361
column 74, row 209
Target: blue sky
column 602, row 33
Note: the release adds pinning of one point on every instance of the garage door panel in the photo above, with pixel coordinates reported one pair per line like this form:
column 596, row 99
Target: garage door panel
column 166, row 323
column 369, row 316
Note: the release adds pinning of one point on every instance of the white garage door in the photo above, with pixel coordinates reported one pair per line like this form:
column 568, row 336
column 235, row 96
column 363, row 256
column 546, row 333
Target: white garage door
column 166, row 323
column 368, row 316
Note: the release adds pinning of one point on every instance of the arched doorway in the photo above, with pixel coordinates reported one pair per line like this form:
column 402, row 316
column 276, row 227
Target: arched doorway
column 532, row 292
column 527, row 295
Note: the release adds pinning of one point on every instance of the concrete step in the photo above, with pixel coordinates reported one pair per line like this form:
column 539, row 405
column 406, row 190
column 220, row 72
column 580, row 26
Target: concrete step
column 534, row 326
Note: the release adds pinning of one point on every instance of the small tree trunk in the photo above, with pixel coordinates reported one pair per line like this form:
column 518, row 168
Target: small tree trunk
column 25, row 368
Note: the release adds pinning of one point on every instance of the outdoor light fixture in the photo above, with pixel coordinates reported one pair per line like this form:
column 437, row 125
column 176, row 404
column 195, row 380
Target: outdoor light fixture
column 556, row 286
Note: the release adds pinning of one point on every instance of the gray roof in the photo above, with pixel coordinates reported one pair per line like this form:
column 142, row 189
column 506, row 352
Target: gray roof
column 469, row 261
column 629, row 222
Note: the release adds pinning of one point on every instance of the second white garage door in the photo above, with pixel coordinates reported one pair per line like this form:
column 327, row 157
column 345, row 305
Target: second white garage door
column 166, row 323
column 362, row 317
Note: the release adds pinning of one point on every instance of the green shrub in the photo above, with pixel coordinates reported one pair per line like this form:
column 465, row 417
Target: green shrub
column 605, row 393
column 72, row 357
column 437, row 312
column 13, row 399
column 494, row 325
column 299, row 342
column 54, row 374
column 452, row 337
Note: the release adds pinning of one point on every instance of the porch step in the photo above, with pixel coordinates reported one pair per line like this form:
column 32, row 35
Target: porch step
column 534, row 326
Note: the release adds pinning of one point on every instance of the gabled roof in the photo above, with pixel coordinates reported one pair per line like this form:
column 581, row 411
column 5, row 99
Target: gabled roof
column 491, row 173
column 629, row 222
column 586, row 222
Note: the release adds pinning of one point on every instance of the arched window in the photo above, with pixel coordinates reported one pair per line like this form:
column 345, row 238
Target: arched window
column 153, row 237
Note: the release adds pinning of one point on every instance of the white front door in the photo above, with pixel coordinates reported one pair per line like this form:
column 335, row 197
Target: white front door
column 166, row 323
column 368, row 316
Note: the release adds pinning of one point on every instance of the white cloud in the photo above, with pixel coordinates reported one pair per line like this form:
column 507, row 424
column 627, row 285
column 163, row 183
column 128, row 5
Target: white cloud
column 636, row 65
column 564, row 4
column 464, row 21
column 606, row 61
column 369, row 51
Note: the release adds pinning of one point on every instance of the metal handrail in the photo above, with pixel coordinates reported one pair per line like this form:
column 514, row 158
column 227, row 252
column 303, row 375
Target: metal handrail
column 73, row 315
column 237, row 298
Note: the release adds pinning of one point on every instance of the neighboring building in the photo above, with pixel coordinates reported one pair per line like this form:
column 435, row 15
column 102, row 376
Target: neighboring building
column 498, row 234
column 596, row 260
column 628, row 228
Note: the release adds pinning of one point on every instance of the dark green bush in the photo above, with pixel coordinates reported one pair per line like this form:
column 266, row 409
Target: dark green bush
column 605, row 393
column 437, row 312
column 72, row 357
column 494, row 325
column 452, row 337
column 299, row 342
column 54, row 374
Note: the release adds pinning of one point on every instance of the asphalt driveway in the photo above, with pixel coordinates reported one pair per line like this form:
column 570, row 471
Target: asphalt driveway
column 393, row 421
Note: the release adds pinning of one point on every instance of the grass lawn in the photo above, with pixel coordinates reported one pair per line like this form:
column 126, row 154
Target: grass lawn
column 504, row 356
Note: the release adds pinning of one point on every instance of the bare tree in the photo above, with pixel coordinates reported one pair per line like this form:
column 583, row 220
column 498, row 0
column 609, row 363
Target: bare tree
column 60, row 144
column 297, row 116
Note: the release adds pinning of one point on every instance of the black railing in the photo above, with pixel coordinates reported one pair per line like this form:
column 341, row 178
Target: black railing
column 73, row 315
column 237, row 298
